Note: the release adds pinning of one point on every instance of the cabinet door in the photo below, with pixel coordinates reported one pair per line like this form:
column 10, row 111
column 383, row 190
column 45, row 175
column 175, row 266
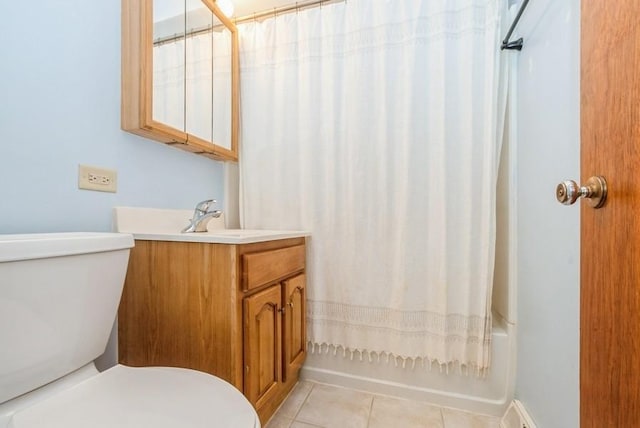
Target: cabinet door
column 262, row 345
column 294, row 339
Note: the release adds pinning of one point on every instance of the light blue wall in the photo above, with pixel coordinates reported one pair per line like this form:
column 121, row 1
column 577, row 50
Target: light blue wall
column 60, row 106
column 548, row 312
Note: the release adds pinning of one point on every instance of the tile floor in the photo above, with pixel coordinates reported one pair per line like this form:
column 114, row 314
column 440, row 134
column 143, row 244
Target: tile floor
column 316, row 405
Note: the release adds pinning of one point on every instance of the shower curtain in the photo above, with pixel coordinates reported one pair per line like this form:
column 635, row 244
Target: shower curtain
column 377, row 126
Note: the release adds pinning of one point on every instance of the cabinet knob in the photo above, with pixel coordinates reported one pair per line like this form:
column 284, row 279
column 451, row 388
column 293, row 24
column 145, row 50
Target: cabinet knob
column 281, row 310
column 290, row 304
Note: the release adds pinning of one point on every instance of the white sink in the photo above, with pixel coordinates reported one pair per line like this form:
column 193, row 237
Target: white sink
column 165, row 225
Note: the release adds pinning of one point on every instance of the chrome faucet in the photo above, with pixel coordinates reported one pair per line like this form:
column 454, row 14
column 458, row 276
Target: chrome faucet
column 201, row 216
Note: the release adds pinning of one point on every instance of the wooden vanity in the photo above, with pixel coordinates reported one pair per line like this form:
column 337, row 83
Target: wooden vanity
column 236, row 311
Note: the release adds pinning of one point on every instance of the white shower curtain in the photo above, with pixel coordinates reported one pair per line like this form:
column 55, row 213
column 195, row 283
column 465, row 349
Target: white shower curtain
column 377, row 125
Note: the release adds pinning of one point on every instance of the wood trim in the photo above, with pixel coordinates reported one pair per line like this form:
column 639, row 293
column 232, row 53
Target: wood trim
column 204, row 147
column 146, row 65
column 235, row 92
column 164, row 131
column 213, row 7
column 132, row 18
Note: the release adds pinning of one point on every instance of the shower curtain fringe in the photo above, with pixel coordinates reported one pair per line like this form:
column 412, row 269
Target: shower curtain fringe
column 399, row 361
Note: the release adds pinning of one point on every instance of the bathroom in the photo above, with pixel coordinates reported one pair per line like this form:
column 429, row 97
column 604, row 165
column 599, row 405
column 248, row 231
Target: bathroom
column 60, row 91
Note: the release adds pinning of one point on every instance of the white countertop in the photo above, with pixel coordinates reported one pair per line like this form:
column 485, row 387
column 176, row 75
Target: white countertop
column 151, row 224
column 223, row 236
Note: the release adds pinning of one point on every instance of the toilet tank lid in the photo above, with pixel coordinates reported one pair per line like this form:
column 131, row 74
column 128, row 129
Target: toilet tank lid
column 44, row 245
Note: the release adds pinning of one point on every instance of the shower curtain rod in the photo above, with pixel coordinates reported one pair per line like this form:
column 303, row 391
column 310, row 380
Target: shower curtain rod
column 294, row 7
column 515, row 44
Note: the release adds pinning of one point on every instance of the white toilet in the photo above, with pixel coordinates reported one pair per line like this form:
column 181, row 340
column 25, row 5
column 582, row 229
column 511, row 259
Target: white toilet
column 59, row 294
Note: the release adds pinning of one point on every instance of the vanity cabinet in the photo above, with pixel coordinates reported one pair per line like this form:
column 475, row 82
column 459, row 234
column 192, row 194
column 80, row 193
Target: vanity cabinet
column 235, row 311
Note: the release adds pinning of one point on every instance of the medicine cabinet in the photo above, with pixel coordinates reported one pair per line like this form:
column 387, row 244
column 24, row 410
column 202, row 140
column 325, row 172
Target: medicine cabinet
column 180, row 75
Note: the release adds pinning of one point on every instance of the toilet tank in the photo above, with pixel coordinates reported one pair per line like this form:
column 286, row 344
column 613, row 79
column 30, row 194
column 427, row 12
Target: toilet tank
column 59, row 295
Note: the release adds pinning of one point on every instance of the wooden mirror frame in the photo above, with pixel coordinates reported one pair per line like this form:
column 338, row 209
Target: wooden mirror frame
column 137, row 83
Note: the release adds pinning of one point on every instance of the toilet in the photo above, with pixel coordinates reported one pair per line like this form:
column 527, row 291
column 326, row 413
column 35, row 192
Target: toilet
column 59, row 295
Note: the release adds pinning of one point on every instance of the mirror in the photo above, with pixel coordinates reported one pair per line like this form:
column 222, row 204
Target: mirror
column 169, row 63
column 180, row 75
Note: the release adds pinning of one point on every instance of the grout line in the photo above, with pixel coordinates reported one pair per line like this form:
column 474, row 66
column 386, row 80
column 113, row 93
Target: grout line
column 295, row 417
column 373, row 397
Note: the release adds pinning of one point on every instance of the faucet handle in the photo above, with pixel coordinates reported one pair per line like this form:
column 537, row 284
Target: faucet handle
column 203, row 206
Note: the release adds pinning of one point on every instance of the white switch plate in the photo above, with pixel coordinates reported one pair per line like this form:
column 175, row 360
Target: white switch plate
column 100, row 179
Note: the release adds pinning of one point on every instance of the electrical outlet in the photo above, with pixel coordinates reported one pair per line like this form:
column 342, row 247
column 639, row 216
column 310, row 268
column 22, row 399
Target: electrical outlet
column 94, row 178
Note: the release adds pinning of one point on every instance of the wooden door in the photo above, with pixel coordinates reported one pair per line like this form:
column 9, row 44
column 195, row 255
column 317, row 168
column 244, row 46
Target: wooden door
column 294, row 338
column 610, row 236
column 262, row 345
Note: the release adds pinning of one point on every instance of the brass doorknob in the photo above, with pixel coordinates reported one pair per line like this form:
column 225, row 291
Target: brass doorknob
column 595, row 192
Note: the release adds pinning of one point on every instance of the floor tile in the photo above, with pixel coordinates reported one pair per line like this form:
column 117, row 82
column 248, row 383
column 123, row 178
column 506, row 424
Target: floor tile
column 278, row 421
column 392, row 412
column 296, row 398
column 459, row 419
column 332, row 407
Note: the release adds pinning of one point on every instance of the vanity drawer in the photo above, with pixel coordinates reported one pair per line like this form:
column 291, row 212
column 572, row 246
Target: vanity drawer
column 263, row 267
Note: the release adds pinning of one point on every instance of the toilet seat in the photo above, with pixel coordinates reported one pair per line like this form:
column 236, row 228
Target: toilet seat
column 154, row 397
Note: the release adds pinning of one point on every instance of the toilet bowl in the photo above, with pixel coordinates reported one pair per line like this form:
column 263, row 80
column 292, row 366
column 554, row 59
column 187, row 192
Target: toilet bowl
column 59, row 295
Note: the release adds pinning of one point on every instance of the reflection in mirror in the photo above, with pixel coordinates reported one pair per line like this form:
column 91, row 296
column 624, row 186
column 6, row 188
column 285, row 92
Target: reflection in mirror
column 192, row 70
column 199, row 99
column 222, row 84
column 169, row 63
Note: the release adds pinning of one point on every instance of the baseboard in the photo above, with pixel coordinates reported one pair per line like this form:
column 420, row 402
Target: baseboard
column 516, row 416
column 436, row 397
